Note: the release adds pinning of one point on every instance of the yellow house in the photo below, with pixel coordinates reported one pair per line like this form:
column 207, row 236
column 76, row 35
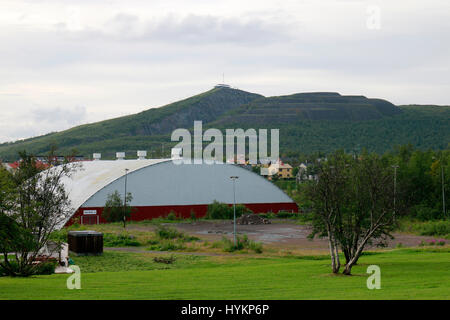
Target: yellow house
column 285, row 171
column 282, row 170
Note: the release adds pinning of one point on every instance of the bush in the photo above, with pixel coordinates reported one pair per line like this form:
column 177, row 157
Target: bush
column 14, row 267
column 240, row 210
column 59, row 235
column 119, row 240
column 241, row 244
column 168, row 233
column 167, row 260
column 434, row 228
column 193, row 216
column 269, row 215
column 288, row 215
column 168, row 245
column 219, row 210
column 46, row 268
column 164, row 233
column 43, row 268
column 424, row 213
column 171, row 216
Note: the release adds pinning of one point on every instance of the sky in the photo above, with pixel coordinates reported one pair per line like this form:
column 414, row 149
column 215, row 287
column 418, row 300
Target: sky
column 65, row 63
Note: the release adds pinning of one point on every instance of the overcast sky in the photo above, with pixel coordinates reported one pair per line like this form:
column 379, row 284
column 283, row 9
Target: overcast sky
column 64, row 63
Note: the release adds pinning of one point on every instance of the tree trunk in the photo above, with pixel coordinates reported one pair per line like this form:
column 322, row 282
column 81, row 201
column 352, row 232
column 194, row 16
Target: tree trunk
column 348, row 266
column 336, row 254
column 335, row 264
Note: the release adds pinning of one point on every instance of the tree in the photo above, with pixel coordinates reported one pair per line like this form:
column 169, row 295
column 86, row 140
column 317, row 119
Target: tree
column 116, row 209
column 328, row 196
column 353, row 205
column 34, row 203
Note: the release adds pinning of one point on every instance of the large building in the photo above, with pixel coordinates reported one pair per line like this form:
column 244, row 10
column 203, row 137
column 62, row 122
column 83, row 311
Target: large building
column 160, row 186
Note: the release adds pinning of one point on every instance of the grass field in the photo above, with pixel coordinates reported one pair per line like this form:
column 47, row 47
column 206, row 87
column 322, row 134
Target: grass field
column 405, row 274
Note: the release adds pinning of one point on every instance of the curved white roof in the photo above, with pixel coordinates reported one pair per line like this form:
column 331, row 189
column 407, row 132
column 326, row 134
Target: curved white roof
column 160, row 182
column 93, row 176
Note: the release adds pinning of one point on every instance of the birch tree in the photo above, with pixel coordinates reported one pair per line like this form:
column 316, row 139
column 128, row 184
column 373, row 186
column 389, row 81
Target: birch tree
column 352, row 205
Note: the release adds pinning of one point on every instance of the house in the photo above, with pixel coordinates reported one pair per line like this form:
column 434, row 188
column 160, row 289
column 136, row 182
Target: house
column 285, row 171
column 306, row 171
column 282, row 170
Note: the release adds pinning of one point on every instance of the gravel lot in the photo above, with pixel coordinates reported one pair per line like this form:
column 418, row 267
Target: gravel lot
column 281, row 234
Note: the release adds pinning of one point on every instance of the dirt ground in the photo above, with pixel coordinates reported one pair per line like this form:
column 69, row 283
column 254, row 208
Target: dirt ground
column 280, row 235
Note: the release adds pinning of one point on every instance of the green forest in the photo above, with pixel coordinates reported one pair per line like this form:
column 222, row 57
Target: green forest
column 308, row 123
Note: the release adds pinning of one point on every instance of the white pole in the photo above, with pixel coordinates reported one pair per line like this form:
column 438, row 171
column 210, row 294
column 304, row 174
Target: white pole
column 395, row 187
column 125, row 198
column 443, row 190
column 234, row 206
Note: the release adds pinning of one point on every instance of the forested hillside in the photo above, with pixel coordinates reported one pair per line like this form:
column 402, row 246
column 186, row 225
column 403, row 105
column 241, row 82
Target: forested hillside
column 308, row 122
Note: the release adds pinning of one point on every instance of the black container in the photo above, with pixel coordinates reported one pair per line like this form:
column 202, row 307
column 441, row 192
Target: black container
column 85, row 242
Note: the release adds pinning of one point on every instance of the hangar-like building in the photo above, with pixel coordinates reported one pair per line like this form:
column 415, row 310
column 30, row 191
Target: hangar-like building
column 159, row 186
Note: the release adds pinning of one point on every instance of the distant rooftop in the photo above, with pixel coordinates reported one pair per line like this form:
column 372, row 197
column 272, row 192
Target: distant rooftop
column 222, row 85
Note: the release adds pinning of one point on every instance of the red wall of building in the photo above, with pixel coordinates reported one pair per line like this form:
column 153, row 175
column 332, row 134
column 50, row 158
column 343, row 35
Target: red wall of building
column 149, row 212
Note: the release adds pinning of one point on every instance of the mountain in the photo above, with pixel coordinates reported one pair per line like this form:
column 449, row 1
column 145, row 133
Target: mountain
column 133, row 131
column 293, row 108
column 308, row 122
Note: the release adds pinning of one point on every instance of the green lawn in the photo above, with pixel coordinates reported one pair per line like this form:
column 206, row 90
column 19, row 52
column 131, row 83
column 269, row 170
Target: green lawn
column 405, row 274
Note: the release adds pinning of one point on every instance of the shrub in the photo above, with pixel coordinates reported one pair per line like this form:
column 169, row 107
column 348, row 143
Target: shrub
column 434, row 228
column 255, row 246
column 46, row 268
column 240, row 210
column 119, row 240
column 193, row 216
column 219, row 210
column 59, row 235
column 171, row 216
column 167, row 260
column 164, row 232
column 268, row 215
column 168, row 245
column 14, row 268
column 43, row 268
column 241, row 244
column 425, row 213
column 286, row 214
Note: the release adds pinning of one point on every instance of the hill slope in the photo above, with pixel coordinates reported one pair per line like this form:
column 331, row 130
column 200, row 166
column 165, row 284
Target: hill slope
column 207, row 107
column 308, row 122
column 310, row 106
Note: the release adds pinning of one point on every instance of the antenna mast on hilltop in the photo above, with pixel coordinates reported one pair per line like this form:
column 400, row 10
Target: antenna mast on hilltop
column 222, row 85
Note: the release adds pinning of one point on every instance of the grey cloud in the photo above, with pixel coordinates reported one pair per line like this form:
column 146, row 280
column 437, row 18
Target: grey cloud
column 59, row 116
column 38, row 121
column 210, row 29
column 191, row 29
